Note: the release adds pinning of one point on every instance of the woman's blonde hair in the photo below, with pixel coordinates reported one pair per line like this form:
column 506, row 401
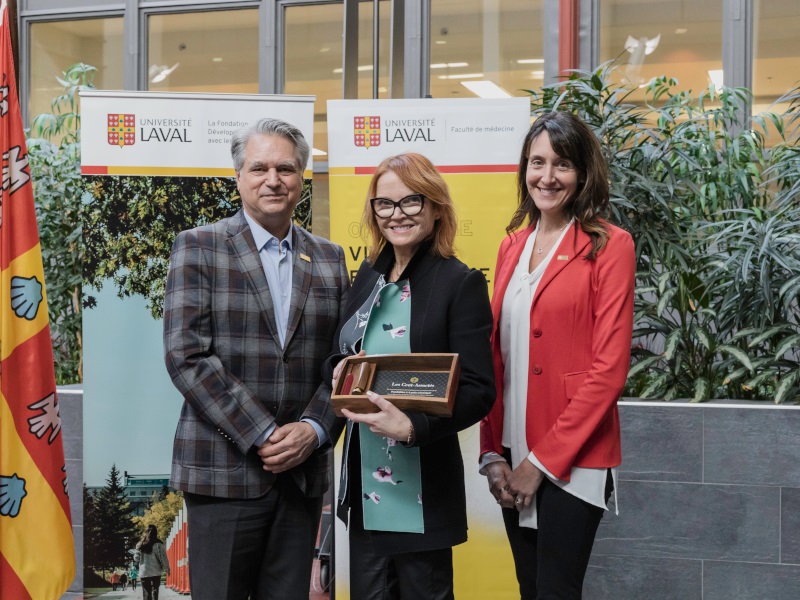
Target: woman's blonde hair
column 419, row 175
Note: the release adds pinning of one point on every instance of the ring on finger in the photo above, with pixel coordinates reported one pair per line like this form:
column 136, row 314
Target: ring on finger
column 518, row 501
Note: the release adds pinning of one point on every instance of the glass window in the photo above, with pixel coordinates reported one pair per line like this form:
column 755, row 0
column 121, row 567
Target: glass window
column 650, row 38
column 313, row 57
column 214, row 51
column 776, row 52
column 492, row 43
column 313, row 66
column 313, row 61
column 57, row 45
column 365, row 53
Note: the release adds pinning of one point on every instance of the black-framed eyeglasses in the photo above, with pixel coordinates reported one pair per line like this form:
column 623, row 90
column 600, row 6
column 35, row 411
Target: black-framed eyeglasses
column 409, row 206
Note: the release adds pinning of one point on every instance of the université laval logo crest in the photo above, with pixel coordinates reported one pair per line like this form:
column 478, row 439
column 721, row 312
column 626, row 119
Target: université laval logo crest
column 367, row 131
column 121, row 130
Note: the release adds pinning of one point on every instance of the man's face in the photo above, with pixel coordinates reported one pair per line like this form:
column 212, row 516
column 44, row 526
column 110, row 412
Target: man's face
column 270, row 182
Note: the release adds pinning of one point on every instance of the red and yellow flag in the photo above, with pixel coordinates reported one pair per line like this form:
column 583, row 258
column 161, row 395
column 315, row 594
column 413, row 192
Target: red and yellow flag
column 37, row 559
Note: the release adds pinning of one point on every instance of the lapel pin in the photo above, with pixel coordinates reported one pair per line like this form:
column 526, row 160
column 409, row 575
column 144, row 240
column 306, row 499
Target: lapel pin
column 563, row 257
column 305, row 257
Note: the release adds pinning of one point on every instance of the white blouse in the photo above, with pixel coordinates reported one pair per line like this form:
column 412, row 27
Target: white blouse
column 587, row 484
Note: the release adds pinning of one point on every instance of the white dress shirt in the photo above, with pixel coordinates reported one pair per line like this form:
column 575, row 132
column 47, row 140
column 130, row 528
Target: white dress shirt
column 276, row 260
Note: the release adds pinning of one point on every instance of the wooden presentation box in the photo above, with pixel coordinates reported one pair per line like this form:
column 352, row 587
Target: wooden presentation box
column 423, row 382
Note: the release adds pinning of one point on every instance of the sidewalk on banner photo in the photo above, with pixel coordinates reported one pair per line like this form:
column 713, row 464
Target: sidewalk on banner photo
column 163, row 593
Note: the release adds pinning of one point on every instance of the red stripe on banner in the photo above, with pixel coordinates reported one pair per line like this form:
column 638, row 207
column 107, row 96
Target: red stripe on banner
column 478, row 169
column 365, row 170
column 93, row 170
column 34, row 384
column 455, row 169
column 10, row 584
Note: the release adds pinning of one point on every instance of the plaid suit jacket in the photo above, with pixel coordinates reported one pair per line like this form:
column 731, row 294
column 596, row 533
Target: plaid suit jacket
column 223, row 354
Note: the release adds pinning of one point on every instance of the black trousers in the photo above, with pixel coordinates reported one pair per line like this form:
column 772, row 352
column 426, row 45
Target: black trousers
column 551, row 561
column 261, row 548
column 410, row 576
column 150, row 587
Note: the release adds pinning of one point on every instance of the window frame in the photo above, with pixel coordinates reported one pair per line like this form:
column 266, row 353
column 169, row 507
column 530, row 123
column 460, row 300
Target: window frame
column 738, row 27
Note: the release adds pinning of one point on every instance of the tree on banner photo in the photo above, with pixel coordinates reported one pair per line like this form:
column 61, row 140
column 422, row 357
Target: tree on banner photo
column 37, row 559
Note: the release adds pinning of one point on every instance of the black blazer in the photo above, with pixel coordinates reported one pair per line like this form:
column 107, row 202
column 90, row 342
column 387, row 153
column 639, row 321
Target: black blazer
column 450, row 312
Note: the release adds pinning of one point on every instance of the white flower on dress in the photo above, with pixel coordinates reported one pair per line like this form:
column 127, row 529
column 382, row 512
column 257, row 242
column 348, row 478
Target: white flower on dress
column 373, row 496
column 398, row 331
column 384, row 475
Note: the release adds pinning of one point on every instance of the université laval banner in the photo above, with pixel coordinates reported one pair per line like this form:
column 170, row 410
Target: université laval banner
column 475, row 143
column 176, row 134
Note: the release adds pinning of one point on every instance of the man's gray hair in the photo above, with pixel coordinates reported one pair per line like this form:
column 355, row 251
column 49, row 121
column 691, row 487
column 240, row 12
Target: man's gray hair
column 269, row 126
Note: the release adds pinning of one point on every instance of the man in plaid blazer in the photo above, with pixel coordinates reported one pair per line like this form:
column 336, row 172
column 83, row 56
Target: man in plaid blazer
column 251, row 306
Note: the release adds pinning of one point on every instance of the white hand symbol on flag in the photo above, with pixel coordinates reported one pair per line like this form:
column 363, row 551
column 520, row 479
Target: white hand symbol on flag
column 49, row 418
column 15, row 170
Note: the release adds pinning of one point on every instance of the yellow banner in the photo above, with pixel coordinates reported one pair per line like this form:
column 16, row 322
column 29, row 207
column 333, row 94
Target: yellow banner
column 475, row 144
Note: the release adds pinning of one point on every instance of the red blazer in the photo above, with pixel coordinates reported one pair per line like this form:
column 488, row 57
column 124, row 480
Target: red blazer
column 580, row 343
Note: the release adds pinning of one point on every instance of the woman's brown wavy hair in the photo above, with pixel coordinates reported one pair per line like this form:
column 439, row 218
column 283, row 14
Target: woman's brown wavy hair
column 572, row 139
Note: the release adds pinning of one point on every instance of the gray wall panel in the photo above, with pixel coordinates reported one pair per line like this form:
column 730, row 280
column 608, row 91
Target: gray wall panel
column 71, row 413
column 752, row 446
column 685, row 520
column 661, row 445
column 75, row 483
column 747, row 581
column 790, row 526
column 635, row 578
column 77, row 583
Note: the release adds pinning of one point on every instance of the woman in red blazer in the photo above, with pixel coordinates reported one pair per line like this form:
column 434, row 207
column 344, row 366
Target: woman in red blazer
column 563, row 318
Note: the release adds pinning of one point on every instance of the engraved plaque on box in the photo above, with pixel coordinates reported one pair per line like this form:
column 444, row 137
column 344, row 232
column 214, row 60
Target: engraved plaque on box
column 431, row 384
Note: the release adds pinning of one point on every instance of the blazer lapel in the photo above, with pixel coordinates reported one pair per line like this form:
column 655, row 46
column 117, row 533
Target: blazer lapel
column 301, row 280
column 571, row 248
column 249, row 263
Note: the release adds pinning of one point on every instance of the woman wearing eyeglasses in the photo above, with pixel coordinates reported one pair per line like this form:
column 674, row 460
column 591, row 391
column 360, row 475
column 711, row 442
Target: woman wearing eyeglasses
column 402, row 488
